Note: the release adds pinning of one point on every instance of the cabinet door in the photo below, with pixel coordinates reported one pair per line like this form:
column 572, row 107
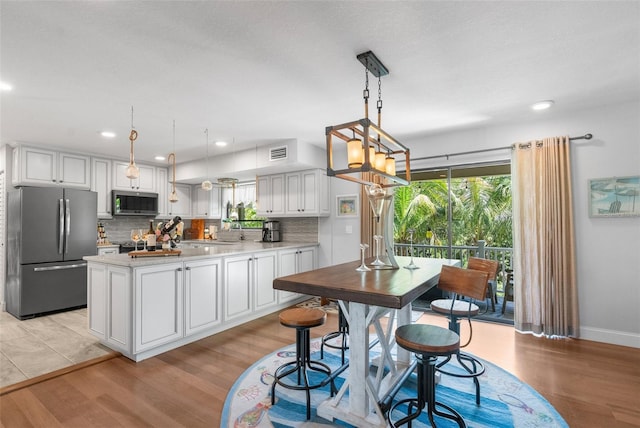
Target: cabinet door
column 202, row 295
column 309, row 193
column 74, row 171
column 237, row 287
column 101, row 184
column 263, row 193
column 293, row 190
column 119, row 327
column 288, row 265
column 158, row 305
column 119, row 177
column 183, row 206
column 306, row 259
column 277, row 188
column 265, row 268
column 146, row 182
column 34, row 166
column 163, row 202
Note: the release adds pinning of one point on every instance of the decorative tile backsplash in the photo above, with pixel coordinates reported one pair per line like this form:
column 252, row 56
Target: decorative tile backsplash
column 303, row 229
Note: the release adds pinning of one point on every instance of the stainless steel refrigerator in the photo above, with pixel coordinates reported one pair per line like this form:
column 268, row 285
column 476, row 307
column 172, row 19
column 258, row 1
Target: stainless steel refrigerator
column 49, row 230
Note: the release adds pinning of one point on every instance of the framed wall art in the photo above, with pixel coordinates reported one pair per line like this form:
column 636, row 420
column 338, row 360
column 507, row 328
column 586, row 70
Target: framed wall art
column 614, row 197
column 347, row 206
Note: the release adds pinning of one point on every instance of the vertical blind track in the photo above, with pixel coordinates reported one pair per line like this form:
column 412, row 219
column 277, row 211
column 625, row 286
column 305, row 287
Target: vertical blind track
column 582, row 137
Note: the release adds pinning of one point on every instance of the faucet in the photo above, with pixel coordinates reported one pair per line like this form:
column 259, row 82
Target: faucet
column 241, row 231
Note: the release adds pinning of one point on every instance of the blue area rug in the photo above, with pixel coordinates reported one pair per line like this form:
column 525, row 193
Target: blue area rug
column 505, row 401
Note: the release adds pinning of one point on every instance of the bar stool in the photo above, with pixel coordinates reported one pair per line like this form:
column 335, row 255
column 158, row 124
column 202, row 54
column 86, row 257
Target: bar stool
column 428, row 342
column 302, row 319
column 471, row 284
column 343, row 333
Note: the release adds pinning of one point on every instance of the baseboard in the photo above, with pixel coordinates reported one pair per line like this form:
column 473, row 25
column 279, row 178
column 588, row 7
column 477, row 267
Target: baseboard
column 613, row 337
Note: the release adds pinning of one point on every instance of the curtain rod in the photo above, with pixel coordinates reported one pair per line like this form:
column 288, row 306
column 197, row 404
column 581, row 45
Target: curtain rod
column 582, row 137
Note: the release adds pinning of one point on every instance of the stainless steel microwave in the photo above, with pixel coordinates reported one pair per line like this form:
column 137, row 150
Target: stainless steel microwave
column 134, row 203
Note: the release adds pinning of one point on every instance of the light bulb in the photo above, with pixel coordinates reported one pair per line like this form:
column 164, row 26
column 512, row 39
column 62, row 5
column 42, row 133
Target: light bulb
column 207, row 185
column 380, row 161
column 132, row 171
column 354, row 153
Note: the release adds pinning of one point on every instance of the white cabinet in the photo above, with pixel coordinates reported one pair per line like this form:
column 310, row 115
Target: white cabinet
column 183, row 206
column 101, row 184
column 206, row 203
column 294, row 261
column 163, row 202
column 270, row 195
column 109, row 300
column 158, row 307
column 265, row 265
column 41, row 167
column 202, row 295
column 249, row 283
column 146, row 181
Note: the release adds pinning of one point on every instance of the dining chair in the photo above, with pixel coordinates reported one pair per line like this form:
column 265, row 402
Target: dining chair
column 465, row 286
column 491, row 267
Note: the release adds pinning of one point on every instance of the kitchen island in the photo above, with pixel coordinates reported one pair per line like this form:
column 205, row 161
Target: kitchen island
column 145, row 306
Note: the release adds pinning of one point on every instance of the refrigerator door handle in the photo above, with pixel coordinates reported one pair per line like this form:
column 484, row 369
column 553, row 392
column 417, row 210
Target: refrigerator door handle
column 60, row 226
column 60, row 267
column 67, row 224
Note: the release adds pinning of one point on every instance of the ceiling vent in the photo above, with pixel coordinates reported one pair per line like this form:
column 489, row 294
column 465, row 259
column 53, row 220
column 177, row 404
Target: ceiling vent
column 278, row 153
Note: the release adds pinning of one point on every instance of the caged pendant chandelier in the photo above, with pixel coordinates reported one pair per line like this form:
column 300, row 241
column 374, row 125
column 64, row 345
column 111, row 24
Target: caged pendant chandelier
column 133, row 171
column 370, row 149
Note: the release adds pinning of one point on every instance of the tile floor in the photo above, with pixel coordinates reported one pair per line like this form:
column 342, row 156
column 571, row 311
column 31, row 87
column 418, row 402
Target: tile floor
column 41, row 345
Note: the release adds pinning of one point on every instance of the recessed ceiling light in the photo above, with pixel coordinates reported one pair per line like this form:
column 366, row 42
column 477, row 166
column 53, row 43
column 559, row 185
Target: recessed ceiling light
column 221, row 143
column 159, row 158
column 542, row 105
column 5, row 87
column 108, row 134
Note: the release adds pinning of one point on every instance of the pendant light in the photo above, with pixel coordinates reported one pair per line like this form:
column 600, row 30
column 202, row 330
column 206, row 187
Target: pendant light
column 206, row 184
column 132, row 170
column 372, row 150
column 173, row 197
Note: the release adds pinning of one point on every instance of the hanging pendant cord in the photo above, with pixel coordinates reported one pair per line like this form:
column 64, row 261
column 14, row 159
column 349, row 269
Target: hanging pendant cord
column 365, row 93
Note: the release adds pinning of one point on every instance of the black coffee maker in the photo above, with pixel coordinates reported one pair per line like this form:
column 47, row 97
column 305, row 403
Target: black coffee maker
column 271, row 231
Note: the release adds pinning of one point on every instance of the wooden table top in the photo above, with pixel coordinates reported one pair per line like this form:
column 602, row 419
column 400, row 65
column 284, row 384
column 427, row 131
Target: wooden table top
column 391, row 288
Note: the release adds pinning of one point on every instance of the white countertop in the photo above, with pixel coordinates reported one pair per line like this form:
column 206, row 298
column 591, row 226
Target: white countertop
column 209, row 249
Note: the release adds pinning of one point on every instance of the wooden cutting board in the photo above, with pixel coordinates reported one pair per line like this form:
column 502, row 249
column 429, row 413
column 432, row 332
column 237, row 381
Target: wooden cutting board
column 157, row 253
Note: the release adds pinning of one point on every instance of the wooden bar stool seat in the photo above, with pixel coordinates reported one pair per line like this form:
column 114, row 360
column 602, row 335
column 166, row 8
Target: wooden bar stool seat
column 302, row 319
column 428, row 342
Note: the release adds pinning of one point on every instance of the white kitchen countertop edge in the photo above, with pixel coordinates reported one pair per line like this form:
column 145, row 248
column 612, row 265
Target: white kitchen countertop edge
column 189, row 254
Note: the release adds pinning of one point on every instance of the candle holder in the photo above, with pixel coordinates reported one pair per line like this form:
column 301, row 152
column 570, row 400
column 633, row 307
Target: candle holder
column 377, row 261
column 363, row 267
column 411, row 265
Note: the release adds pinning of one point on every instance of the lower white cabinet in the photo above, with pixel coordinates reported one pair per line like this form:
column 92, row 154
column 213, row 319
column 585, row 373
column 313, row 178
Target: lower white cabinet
column 294, row 261
column 143, row 311
column 249, row 283
column 158, row 305
column 202, row 295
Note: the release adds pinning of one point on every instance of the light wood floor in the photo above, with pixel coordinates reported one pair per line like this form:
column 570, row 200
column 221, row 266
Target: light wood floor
column 590, row 384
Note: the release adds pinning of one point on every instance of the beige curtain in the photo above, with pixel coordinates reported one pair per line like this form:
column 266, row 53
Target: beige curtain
column 545, row 288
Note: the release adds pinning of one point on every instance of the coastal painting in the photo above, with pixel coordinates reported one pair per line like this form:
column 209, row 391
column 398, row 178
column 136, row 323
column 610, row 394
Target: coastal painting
column 614, row 197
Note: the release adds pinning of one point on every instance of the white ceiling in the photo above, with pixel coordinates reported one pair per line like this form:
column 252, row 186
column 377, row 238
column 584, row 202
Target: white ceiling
column 264, row 71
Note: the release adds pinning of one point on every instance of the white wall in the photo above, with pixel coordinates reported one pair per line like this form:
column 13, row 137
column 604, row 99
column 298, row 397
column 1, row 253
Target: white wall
column 608, row 249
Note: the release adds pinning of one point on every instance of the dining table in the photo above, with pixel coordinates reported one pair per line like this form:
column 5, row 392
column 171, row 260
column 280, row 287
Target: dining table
column 375, row 301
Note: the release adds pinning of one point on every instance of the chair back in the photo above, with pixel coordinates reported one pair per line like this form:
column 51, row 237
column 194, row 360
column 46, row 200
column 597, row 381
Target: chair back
column 465, row 282
column 486, row 265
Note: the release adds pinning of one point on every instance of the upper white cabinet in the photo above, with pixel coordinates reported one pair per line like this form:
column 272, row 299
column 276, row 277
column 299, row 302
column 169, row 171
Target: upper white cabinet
column 163, row 202
column 183, row 206
column 40, row 167
column 206, row 203
column 101, row 184
column 146, row 182
column 295, row 194
column 307, row 193
column 270, row 195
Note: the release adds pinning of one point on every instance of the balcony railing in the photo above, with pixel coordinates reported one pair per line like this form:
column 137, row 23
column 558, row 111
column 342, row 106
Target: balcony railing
column 503, row 255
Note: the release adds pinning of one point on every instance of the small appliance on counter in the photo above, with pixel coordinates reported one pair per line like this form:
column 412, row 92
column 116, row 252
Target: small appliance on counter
column 271, row 231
